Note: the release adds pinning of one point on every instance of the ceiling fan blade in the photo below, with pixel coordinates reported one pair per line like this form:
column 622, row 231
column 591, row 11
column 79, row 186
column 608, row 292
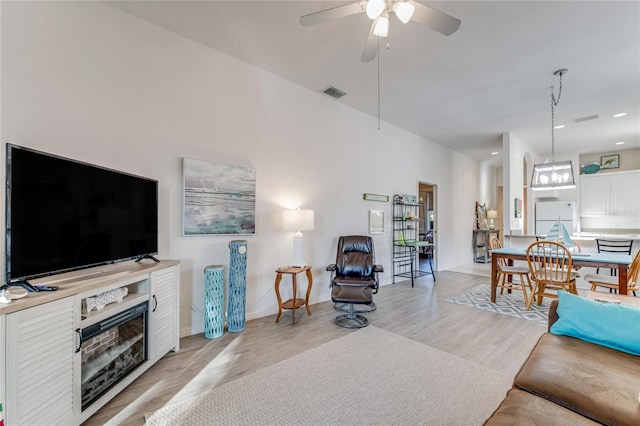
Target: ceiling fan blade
column 434, row 19
column 334, row 13
column 371, row 46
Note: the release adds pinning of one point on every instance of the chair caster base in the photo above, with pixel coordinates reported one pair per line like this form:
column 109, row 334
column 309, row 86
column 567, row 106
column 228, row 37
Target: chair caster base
column 344, row 307
column 352, row 321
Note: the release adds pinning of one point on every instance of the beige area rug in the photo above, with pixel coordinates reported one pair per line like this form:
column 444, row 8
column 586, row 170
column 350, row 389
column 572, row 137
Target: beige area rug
column 367, row 377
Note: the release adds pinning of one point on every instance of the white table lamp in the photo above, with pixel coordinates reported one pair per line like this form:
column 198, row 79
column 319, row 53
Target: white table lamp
column 492, row 215
column 298, row 220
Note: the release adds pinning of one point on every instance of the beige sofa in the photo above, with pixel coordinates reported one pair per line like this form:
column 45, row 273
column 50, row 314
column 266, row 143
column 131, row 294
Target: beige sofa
column 568, row 381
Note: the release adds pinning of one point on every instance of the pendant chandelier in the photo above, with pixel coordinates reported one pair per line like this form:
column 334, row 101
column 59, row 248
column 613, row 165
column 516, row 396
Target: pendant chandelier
column 554, row 175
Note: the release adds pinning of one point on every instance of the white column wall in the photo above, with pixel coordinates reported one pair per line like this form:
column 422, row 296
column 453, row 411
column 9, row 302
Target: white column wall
column 86, row 81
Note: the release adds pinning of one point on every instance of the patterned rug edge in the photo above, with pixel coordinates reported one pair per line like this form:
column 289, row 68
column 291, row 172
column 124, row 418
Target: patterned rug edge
column 506, row 304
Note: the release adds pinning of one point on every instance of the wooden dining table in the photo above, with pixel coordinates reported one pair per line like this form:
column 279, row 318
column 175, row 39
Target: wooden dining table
column 590, row 260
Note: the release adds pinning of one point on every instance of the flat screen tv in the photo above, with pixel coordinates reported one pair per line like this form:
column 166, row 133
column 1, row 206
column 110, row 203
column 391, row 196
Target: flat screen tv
column 63, row 215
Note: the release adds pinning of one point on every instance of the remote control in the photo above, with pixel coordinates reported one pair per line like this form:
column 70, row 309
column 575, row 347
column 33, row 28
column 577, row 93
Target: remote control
column 46, row 287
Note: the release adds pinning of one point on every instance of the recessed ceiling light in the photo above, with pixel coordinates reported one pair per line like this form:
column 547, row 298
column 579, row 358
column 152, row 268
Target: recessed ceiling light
column 620, row 114
column 620, row 143
column 495, row 153
column 559, row 126
column 587, row 118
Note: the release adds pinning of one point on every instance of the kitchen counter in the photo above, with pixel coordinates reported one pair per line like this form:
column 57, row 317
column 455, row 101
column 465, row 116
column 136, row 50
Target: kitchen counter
column 588, row 236
column 594, row 235
column 586, row 240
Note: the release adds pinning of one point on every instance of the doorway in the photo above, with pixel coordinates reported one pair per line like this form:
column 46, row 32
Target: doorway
column 428, row 222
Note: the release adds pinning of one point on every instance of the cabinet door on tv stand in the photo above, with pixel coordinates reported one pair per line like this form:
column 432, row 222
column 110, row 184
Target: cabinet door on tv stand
column 41, row 365
column 164, row 312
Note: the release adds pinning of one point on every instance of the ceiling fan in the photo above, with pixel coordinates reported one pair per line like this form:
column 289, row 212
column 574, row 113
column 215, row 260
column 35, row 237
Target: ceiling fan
column 379, row 11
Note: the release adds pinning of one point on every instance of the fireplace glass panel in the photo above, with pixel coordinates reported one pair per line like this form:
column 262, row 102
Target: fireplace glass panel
column 111, row 354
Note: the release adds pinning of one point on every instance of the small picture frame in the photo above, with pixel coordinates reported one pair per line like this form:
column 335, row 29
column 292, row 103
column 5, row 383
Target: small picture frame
column 375, row 197
column 376, row 221
column 610, row 161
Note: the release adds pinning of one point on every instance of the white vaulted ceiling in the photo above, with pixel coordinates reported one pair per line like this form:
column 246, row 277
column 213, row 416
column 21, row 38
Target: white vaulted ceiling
column 464, row 90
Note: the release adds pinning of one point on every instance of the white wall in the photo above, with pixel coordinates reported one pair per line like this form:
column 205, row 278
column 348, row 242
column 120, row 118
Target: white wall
column 513, row 151
column 488, row 183
column 86, row 81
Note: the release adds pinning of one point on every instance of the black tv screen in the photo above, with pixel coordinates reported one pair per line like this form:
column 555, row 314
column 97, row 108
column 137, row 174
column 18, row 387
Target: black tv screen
column 63, row 215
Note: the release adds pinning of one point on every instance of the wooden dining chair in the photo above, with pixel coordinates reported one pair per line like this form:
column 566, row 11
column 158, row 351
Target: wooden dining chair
column 611, row 282
column 551, row 268
column 573, row 246
column 504, row 271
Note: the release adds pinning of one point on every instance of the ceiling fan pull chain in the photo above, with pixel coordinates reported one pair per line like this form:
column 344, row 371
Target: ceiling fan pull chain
column 378, row 55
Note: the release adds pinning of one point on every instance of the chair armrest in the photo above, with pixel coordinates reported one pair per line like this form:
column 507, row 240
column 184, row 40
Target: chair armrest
column 553, row 314
column 378, row 268
column 331, row 267
column 353, row 285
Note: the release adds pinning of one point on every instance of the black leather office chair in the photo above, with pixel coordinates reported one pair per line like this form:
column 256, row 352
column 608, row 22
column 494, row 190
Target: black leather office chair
column 354, row 278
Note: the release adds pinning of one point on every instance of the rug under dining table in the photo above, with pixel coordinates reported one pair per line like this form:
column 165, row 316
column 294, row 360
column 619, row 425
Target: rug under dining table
column 511, row 304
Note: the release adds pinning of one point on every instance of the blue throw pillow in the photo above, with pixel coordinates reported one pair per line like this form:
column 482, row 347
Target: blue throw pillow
column 607, row 324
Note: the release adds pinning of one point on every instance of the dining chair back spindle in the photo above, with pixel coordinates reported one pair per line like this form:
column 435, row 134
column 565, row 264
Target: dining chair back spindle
column 551, row 268
column 613, row 246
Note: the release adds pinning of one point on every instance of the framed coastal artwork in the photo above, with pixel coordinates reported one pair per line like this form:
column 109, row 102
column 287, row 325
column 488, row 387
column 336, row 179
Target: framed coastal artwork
column 218, row 198
column 610, row 161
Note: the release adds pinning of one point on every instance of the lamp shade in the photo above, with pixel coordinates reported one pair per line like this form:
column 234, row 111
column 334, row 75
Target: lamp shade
column 558, row 175
column 492, row 215
column 375, row 7
column 297, row 220
column 382, row 26
column 404, row 10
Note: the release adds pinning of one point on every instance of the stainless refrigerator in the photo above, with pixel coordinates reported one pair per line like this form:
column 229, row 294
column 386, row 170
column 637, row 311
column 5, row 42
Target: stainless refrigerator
column 549, row 212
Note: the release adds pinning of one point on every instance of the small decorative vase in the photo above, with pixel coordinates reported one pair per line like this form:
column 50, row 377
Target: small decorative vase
column 237, row 285
column 213, row 301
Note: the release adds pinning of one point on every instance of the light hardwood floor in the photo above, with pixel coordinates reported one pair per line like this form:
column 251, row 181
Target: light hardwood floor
column 497, row 341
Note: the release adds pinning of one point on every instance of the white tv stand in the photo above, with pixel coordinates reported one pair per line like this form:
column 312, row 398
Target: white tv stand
column 40, row 367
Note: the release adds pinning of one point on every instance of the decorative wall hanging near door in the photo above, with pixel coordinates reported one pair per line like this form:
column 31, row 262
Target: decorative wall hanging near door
column 218, row 198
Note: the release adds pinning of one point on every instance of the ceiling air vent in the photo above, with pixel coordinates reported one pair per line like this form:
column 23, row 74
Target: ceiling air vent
column 587, row 118
column 333, row 92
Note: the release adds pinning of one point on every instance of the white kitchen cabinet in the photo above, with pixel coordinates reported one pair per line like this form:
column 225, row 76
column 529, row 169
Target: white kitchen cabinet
column 595, row 195
column 40, row 359
column 625, row 190
column 164, row 311
column 610, row 194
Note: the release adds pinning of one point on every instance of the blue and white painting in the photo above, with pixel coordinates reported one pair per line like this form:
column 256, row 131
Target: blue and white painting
column 218, row 198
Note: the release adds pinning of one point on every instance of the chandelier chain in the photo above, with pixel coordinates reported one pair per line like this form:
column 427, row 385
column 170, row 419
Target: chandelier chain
column 554, row 102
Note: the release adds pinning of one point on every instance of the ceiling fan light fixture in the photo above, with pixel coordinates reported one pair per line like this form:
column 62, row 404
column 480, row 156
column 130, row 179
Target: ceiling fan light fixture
column 382, row 26
column 375, row 8
column 404, row 10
